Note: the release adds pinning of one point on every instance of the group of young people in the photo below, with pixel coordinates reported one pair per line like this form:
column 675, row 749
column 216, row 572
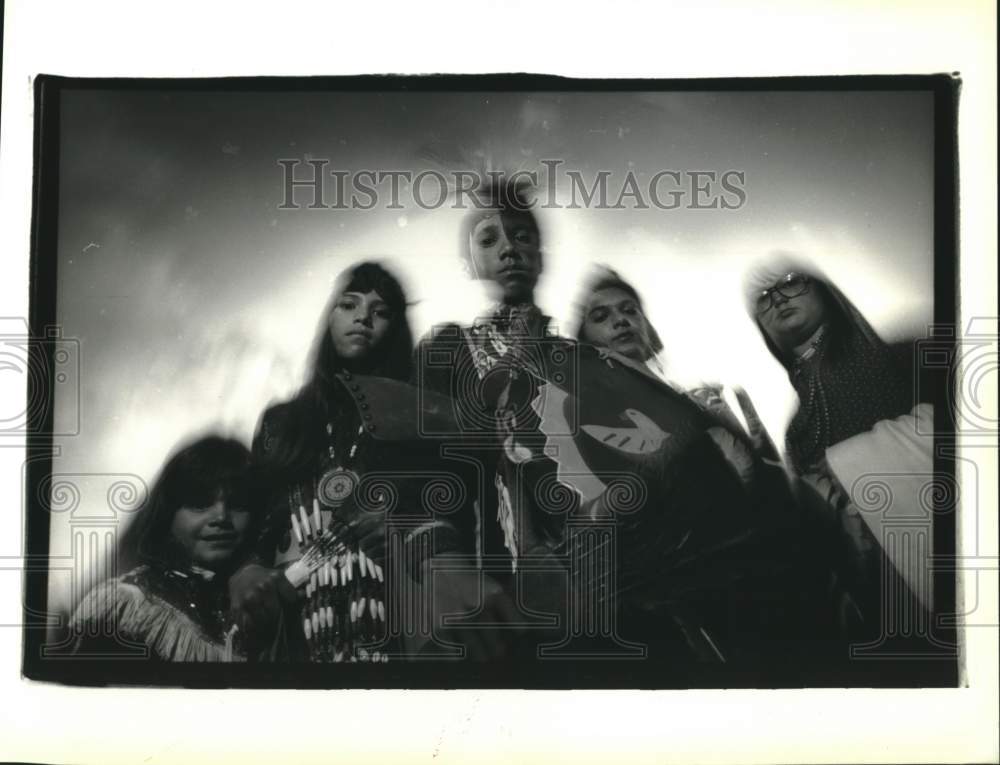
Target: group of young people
column 500, row 492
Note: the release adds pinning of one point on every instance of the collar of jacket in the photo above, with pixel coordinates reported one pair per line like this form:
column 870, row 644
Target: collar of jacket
column 515, row 320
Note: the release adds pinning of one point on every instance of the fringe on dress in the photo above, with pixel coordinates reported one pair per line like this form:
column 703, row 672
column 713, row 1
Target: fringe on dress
column 121, row 607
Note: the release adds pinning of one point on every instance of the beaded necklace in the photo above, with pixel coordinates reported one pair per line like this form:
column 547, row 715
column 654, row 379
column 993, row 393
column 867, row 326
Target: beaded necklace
column 817, row 426
column 344, row 615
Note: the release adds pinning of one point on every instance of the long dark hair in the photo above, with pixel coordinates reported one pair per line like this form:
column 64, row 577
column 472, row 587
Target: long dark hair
column 858, row 373
column 393, row 357
column 293, row 442
column 196, row 475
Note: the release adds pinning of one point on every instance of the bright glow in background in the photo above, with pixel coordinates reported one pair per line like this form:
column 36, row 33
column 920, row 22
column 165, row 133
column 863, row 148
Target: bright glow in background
column 195, row 300
column 713, row 38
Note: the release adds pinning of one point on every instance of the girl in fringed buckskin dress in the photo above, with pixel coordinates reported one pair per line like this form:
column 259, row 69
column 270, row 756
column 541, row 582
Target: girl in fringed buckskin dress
column 172, row 604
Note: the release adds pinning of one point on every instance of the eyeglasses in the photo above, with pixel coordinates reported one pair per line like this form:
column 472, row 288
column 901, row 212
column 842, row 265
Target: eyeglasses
column 789, row 286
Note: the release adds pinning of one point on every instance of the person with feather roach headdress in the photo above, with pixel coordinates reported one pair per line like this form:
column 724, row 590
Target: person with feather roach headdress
column 500, row 245
column 545, row 491
column 484, row 367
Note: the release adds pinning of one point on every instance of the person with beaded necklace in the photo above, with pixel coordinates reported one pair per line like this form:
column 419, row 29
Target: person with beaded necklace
column 760, row 611
column 479, row 366
column 350, row 480
column 830, row 352
column 850, row 384
column 500, row 248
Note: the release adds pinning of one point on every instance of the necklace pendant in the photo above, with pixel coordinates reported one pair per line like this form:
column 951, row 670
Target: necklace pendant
column 336, row 485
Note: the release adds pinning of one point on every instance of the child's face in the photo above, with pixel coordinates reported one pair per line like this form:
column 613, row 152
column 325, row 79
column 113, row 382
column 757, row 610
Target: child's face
column 789, row 321
column 504, row 249
column 210, row 535
column 614, row 320
column 358, row 323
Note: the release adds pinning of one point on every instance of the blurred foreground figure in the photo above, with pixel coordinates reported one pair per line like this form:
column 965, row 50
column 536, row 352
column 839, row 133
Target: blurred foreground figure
column 500, row 247
column 860, row 433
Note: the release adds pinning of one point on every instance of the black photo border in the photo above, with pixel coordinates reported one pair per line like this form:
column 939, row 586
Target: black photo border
column 889, row 673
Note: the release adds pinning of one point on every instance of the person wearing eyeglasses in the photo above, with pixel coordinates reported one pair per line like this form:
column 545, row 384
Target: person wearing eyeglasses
column 859, row 414
column 759, row 599
column 846, row 376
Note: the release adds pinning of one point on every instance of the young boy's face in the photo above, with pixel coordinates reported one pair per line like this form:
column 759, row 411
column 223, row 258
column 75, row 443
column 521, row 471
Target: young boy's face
column 613, row 319
column 210, row 535
column 504, row 248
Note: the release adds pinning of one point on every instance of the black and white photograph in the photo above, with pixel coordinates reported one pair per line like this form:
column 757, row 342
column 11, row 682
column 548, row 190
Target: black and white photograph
column 501, row 382
column 436, row 383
